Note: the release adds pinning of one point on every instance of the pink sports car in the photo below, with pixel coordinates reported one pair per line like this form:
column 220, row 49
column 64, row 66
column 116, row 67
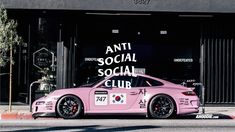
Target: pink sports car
column 146, row 95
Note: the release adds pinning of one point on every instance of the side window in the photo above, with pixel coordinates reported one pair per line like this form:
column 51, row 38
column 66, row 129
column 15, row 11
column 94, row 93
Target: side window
column 147, row 82
column 120, row 81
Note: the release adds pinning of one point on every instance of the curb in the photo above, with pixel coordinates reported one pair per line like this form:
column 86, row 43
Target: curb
column 15, row 116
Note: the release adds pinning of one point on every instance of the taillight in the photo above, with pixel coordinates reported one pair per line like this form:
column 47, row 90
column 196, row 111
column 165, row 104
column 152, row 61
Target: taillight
column 189, row 93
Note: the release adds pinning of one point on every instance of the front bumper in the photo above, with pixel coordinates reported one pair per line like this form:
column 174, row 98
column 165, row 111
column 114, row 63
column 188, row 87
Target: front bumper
column 44, row 107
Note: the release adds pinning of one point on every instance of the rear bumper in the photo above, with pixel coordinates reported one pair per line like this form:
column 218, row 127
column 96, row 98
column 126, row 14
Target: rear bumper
column 189, row 110
column 188, row 105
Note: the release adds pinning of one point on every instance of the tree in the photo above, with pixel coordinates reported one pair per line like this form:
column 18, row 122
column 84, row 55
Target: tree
column 8, row 37
column 8, row 40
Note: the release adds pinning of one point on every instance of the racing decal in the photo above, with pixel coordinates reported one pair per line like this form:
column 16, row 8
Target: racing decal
column 49, row 105
column 142, row 103
column 142, row 91
column 118, row 98
column 184, row 101
column 101, row 98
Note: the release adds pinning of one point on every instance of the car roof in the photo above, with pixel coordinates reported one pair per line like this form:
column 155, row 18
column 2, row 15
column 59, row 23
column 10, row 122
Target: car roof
column 142, row 75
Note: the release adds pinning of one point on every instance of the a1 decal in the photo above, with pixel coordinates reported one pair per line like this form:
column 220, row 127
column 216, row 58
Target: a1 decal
column 118, row 98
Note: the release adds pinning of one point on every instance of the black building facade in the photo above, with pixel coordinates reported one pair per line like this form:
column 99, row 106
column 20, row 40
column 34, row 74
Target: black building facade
column 180, row 41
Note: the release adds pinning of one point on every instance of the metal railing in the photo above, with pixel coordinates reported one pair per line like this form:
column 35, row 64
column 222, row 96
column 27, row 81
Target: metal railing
column 30, row 94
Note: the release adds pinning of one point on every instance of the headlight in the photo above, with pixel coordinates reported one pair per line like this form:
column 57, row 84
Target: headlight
column 40, row 102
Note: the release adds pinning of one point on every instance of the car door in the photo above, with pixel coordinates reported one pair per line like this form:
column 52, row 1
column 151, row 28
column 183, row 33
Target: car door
column 116, row 96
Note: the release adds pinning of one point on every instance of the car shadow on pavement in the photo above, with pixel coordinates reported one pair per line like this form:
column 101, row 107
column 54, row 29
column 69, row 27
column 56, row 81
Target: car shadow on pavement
column 189, row 116
column 114, row 117
column 205, row 116
column 91, row 128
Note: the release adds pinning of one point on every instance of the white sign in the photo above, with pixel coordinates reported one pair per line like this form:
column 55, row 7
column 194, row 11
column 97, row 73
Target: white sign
column 101, row 99
column 140, row 70
column 115, row 31
column 183, row 60
column 91, row 59
column 163, row 32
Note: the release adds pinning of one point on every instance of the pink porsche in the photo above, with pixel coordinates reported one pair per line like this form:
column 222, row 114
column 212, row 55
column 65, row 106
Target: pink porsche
column 147, row 95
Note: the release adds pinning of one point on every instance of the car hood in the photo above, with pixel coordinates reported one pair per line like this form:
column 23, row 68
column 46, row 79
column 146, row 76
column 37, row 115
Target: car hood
column 69, row 90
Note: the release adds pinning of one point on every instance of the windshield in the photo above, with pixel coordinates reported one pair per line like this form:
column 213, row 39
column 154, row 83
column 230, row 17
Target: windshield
column 92, row 82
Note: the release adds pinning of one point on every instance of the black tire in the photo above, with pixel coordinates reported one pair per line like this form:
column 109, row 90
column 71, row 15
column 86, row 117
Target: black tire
column 69, row 107
column 162, row 107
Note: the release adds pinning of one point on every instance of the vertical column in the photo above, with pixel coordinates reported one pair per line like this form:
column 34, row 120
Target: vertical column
column 60, row 65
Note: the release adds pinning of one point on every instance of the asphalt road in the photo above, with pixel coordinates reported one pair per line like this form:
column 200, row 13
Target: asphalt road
column 135, row 125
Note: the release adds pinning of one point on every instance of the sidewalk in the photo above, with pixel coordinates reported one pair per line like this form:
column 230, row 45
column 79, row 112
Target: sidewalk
column 22, row 112
column 18, row 112
column 230, row 111
column 218, row 112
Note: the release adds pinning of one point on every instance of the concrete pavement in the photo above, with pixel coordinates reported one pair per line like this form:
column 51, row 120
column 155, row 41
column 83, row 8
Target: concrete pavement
column 115, row 125
column 227, row 111
column 22, row 112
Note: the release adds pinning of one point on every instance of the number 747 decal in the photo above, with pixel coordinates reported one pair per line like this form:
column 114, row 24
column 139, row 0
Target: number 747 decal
column 101, row 99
